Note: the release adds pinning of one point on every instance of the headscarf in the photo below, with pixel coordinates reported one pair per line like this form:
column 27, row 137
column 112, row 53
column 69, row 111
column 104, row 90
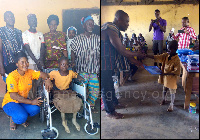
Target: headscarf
column 71, row 28
column 84, row 19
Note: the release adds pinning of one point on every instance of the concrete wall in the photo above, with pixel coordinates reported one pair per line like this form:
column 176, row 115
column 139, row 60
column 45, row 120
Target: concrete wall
column 42, row 9
column 141, row 15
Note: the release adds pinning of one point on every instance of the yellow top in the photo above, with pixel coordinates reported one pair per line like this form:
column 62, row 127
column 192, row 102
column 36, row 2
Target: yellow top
column 192, row 104
column 171, row 66
column 18, row 83
column 62, row 82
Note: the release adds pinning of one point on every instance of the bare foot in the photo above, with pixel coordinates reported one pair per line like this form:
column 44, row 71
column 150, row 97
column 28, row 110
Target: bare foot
column 64, row 123
column 76, row 124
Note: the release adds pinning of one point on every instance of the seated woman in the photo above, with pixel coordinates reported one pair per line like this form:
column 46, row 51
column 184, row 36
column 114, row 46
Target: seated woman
column 55, row 43
column 63, row 101
column 19, row 82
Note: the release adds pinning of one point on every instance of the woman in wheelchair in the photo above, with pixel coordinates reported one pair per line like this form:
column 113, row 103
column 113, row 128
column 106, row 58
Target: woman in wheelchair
column 63, row 98
column 19, row 82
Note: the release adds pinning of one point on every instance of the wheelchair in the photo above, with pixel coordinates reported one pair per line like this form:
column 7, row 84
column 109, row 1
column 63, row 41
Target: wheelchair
column 47, row 108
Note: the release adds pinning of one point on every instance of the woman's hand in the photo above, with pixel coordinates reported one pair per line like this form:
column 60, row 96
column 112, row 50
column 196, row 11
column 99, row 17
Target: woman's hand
column 48, row 85
column 36, row 101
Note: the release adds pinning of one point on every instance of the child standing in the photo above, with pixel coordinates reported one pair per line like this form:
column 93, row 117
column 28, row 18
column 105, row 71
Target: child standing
column 170, row 71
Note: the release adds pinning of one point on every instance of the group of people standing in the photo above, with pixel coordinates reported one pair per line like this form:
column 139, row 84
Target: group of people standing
column 43, row 51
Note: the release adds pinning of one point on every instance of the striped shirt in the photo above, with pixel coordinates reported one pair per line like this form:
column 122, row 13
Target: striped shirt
column 184, row 39
column 110, row 58
column 87, row 52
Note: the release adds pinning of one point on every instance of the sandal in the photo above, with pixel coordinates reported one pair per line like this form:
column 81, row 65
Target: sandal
column 120, row 106
column 94, row 110
column 25, row 124
column 163, row 102
column 13, row 125
column 115, row 115
column 170, row 108
column 1, row 109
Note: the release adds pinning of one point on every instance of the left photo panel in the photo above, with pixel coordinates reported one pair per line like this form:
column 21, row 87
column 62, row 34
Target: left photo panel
column 50, row 69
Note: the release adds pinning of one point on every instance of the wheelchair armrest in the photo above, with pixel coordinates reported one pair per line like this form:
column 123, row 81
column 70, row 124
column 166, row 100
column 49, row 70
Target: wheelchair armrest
column 77, row 81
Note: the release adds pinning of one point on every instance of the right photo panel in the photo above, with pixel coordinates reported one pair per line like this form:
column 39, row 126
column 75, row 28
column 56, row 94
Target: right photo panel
column 149, row 69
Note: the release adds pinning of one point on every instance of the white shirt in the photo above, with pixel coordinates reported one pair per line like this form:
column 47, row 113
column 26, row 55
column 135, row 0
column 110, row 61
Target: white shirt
column 69, row 48
column 34, row 40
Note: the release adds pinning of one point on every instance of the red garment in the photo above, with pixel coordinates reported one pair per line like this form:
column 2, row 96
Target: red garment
column 184, row 39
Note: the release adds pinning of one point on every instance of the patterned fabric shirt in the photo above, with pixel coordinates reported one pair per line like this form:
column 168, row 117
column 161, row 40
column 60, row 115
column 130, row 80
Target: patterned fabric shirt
column 110, row 58
column 184, row 39
column 87, row 52
column 11, row 43
column 54, row 40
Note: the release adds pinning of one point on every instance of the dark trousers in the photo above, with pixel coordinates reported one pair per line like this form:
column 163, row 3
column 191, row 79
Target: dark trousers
column 157, row 48
column 108, row 91
column 133, row 68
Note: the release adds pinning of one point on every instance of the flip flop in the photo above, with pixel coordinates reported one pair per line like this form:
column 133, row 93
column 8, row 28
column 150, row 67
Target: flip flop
column 13, row 125
column 25, row 124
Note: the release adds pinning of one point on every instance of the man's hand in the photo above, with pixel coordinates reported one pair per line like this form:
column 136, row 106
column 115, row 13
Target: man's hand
column 141, row 55
column 41, row 63
column 2, row 71
column 151, row 21
column 158, row 23
column 141, row 65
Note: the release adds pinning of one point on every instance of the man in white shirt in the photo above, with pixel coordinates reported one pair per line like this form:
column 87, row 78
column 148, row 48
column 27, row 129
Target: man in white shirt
column 35, row 48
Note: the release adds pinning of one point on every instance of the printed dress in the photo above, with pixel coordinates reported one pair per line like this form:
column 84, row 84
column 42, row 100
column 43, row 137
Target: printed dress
column 55, row 44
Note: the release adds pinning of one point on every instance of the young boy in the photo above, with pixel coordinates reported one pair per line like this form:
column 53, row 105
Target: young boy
column 170, row 71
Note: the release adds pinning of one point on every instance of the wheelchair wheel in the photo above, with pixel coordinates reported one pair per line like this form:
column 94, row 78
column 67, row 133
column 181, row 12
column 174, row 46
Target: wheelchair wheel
column 42, row 113
column 50, row 134
column 89, row 130
column 40, row 94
